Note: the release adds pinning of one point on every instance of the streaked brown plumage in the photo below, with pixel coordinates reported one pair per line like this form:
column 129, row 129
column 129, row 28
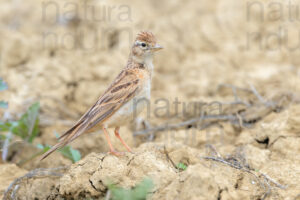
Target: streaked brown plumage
column 115, row 107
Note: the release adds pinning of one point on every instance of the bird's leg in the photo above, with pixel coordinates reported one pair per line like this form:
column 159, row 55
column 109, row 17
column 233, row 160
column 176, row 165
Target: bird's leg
column 112, row 150
column 123, row 142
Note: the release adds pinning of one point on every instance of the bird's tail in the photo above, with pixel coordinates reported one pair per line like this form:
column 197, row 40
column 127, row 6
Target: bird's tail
column 54, row 148
column 66, row 138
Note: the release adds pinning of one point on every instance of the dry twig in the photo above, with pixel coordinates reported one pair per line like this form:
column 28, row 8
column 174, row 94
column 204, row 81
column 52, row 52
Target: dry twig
column 252, row 114
column 243, row 166
column 168, row 157
column 261, row 99
column 193, row 121
column 37, row 173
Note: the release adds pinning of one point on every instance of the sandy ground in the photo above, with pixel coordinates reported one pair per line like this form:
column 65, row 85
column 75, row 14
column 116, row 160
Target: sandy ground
column 243, row 55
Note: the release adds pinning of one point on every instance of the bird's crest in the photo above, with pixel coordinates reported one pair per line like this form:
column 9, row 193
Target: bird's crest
column 146, row 36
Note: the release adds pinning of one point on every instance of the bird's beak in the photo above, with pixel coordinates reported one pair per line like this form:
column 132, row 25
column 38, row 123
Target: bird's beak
column 157, row 47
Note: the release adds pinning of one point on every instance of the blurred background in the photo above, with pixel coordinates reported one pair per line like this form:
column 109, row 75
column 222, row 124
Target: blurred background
column 63, row 54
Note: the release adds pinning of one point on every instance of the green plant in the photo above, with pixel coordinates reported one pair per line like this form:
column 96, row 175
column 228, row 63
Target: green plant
column 66, row 151
column 139, row 192
column 27, row 126
column 70, row 153
column 181, row 166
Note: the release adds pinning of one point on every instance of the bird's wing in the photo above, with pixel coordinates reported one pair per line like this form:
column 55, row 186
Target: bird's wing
column 123, row 89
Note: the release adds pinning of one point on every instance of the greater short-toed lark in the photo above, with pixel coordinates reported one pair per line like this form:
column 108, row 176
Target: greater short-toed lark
column 117, row 105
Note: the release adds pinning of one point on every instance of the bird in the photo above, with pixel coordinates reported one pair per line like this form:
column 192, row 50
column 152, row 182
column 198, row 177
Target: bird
column 123, row 100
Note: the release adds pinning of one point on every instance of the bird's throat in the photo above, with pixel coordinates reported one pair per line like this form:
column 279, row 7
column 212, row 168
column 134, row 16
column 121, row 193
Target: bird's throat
column 144, row 62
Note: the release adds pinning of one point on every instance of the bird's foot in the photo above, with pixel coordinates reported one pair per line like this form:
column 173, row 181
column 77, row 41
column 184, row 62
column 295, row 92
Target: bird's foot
column 116, row 153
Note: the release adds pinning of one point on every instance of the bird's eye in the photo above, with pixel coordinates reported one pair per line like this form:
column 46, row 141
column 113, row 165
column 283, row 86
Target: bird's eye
column 143, row 44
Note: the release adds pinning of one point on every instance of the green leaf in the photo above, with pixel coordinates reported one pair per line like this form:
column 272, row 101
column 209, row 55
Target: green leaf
column 44, row 148
column 3, row 85
column 3, row 104
column 181, row 166
column 5, row 126
column 2, row 137
column 141, row 191
column 66, row 151
column 70, row 153
column 137, row 193
column 27, row 127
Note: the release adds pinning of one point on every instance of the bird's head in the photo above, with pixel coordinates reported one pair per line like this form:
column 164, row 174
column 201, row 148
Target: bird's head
column 144, row 46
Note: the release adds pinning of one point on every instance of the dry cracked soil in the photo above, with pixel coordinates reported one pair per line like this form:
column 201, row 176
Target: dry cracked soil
column 233, row 67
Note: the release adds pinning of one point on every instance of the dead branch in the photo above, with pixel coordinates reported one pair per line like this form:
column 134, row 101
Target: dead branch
column 37, row 173
column 213, row 150
column 6, row 146
column 222, row 161
column 190, row 122
column 243, row 166
column 168, row 157
column 253, row 113
column 261, row 99
column 269, row 179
